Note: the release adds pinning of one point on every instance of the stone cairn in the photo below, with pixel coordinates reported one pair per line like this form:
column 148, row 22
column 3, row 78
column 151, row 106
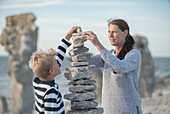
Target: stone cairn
column 83, row 88
column 19, row 39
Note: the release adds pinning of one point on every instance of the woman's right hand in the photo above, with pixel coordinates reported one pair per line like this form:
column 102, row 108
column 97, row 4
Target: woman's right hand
column 91, row 36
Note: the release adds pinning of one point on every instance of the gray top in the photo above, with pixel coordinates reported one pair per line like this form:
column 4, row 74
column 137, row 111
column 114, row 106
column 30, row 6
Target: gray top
column 120, row 91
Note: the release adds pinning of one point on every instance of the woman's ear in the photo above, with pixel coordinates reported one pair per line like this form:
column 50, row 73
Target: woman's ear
column 126, row 33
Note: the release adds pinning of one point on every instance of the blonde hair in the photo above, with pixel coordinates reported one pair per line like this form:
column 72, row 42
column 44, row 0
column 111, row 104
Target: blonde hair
column 41, row 62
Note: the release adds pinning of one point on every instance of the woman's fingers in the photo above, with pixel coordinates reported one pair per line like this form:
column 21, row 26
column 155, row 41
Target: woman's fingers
column 89, row 35
column 86, row 36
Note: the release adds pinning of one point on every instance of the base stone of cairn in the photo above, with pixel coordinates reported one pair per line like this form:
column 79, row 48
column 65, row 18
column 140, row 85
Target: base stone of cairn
column 83, row 87
column 19, row 39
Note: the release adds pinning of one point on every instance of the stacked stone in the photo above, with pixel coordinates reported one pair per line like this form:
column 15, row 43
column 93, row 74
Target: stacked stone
column 83, row 88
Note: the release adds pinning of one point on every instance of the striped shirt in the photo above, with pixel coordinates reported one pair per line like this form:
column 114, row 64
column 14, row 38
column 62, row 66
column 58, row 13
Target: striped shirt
column 48, row 98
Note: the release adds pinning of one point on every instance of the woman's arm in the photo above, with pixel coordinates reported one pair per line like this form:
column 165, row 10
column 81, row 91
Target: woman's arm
column 97, row 61
column 129, row 63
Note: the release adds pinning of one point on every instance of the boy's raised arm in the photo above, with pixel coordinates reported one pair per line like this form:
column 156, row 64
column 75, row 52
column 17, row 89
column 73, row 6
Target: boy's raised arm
column 64, row 44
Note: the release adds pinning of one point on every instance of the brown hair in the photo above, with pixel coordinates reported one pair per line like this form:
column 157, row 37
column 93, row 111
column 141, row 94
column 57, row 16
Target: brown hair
column 41, row 62
column 129, row 41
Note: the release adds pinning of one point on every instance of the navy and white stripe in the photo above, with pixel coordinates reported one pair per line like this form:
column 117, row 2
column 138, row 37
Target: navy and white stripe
column 47, row 95
column 61, row 50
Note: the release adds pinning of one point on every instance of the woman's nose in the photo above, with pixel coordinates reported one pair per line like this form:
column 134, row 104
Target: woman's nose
column 110, row 35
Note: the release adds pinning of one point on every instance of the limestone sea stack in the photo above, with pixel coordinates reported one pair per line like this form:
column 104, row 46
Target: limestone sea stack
column 146, row 71
column 19, row 39
column 82, row 88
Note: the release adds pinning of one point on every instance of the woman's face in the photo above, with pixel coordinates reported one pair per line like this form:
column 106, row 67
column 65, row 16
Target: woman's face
column 116, row 36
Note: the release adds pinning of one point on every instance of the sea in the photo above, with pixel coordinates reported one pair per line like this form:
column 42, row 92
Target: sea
column 162, row 69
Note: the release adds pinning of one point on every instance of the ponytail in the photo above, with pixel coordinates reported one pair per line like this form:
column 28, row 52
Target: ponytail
column 129, row 42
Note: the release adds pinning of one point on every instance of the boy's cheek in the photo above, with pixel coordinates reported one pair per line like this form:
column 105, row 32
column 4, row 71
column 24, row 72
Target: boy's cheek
column 59, row 72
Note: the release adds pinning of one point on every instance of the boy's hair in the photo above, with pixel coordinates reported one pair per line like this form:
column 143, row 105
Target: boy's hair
column 41, row 62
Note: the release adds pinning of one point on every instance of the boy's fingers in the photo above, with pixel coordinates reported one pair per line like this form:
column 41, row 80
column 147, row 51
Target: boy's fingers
column 75, row 29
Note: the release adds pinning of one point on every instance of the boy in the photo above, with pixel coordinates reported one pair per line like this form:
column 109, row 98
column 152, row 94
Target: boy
column 46, row 67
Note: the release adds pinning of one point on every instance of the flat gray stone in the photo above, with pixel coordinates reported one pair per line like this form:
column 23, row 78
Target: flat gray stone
column 80, row 68
column 82, row 88
column 79, row 50
column 77, row 75
column 91, row 67
column 81, row 96
column 83, row 105
column 76, row 45
column 82, row 82
column 75, row 64
column 77, row 69
column 81, row 57
column 78, row 39
column 97, row 110
column 77, row 34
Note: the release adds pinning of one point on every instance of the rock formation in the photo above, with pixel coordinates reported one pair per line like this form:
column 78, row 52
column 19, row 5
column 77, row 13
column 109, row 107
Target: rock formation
column 146, row 73
column 19, row 39
column 3, row 105
column 83, row 88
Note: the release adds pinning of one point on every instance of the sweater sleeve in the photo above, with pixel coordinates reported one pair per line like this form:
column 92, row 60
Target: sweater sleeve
column 97, row 61
column 53, row 103
column 61, row 50
column 129, row 63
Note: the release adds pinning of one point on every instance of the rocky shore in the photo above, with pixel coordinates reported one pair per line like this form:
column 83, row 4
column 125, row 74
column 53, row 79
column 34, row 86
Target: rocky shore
column 159, row 103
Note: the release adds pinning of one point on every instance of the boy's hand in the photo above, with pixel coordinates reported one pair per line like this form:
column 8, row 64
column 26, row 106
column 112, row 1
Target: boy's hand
column 72, row 30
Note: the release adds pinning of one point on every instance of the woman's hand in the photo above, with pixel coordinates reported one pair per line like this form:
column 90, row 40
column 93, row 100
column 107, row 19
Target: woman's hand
column 91, row 36
column 72, row 30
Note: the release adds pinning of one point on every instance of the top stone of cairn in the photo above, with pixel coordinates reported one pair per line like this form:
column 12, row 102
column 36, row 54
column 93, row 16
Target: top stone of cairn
column 79, row 30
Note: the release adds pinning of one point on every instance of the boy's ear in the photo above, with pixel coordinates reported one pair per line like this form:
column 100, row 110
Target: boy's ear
column 50, row 71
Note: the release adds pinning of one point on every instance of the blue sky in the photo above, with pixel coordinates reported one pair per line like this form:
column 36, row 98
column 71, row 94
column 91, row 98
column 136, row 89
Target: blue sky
column 150, row 18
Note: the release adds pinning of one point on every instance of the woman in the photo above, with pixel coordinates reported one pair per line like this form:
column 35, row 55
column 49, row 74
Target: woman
column 121, row 67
